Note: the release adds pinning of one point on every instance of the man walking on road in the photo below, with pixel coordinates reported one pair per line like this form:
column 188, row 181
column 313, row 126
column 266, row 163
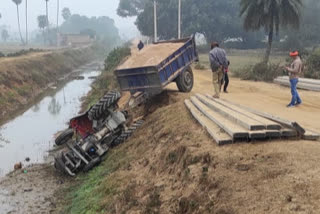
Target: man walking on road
column 294, row 71
column 218, row 63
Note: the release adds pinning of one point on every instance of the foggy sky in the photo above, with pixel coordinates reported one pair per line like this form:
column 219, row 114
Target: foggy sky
column 82, row 7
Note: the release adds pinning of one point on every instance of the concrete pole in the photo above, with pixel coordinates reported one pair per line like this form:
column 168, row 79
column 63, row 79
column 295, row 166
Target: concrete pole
column 26, row 22
column 179, row 20
column 58, row 8
column 155, row 20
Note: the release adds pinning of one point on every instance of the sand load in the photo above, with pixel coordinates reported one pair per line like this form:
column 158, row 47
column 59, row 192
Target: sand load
column 150, row 55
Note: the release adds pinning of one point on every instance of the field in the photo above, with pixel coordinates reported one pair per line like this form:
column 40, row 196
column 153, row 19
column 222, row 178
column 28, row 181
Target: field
column 242, row 58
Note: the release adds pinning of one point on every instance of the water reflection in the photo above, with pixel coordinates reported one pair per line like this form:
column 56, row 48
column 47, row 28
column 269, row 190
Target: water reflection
column 54, row 106
column 36, row 107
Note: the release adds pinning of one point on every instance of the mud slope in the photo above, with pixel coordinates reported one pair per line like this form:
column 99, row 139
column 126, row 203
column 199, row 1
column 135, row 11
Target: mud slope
column 24, row 78
column 171, row 165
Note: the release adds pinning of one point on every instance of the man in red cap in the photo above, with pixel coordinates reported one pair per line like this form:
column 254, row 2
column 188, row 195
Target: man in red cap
column 294, row 71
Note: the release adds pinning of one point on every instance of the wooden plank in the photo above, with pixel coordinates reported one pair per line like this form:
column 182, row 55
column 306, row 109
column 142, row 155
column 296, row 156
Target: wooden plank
column 269, row 124
column 310, row 135
column 288, row 133
column 273, row 133
column 302, row 80
column 288, row 124
column 240, row 119
column 234, row 130
column 256, row 135
column 219, row 136
column 306, row 86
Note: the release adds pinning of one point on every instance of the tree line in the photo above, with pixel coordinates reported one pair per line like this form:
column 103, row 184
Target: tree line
column 220, row 20
column 103, row 27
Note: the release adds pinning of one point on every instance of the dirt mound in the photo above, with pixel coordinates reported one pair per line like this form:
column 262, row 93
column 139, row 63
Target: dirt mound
column 150, row 55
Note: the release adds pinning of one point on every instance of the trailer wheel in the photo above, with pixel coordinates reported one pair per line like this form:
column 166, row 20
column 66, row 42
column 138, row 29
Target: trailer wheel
column 127, row 133
column 64, row 137
column 185, row 80
column 94, row 162
column 100, row 109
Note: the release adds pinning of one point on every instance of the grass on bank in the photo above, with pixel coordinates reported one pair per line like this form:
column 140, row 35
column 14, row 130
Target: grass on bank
column 106, row 81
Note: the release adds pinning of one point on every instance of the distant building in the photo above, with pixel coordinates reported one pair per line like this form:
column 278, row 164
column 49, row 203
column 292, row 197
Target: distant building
column 75, row 40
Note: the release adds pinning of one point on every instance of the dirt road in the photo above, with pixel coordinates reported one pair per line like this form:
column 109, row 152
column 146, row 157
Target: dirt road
column 266, row 97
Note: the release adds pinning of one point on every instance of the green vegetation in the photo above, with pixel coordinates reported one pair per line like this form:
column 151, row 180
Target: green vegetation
column 259, row 72
column 107, row 81
column 94, row 190
column 312, row 69
column 270, row 15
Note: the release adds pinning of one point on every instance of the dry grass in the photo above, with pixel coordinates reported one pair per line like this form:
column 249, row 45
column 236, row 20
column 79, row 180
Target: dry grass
column 23, row 78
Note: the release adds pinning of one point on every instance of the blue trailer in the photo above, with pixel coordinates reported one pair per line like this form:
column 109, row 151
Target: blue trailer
column 151, row 80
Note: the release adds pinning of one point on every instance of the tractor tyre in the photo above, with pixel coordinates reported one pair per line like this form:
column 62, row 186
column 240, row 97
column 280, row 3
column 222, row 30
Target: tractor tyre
column 99, row 110
column 185, row 80
column 127, row 133
column 59, row 163
column 94, row 162
column 64, row 137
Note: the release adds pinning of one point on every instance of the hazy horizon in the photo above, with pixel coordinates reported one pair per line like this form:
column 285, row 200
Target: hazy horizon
column 88, row 8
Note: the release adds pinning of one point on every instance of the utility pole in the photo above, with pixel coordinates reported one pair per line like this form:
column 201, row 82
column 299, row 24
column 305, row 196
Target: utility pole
column 155, row 20
column 179, row 20
column 58, row 22
column 26, row 22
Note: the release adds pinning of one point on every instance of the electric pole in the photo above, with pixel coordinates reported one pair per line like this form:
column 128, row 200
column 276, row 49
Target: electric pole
column 155, row 20
column 58, row 8
column 26, row 22
column 179, row 20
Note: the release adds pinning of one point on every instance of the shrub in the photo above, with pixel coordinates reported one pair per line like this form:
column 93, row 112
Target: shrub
column 116, row 56
column 259, row 72
column 312, row 69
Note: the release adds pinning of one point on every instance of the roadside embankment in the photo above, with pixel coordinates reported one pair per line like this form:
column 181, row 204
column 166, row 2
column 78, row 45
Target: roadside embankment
column 24, row 78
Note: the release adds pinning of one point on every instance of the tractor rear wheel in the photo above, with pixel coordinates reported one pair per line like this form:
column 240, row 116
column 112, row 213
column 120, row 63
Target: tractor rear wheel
column 127, row 133
column 185, row 80
column 99, row 110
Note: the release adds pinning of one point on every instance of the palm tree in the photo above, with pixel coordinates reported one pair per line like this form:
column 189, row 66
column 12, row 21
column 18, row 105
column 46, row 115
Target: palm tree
column 58, row 22
column 18, row 2
column 42, row 24
column 270, row 15
column 26, row 22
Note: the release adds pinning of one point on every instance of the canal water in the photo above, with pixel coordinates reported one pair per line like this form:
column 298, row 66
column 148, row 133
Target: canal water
column 31, row 135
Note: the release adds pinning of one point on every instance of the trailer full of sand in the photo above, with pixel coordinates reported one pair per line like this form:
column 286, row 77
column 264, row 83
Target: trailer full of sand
column 150, row 55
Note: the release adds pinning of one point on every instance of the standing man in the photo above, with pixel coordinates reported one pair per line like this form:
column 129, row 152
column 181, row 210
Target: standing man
column 294, row 71
column 140, row 45
column 218, row 63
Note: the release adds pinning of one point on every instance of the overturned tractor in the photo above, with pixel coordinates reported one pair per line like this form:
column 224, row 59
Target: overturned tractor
column 92, row 134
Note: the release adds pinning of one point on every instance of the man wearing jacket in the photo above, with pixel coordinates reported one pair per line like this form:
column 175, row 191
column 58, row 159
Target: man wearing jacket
column 218, row 63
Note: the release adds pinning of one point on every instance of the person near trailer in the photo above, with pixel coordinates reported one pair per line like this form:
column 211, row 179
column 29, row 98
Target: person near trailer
column 294, row 71
column 140, row 45
column 218, row 63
